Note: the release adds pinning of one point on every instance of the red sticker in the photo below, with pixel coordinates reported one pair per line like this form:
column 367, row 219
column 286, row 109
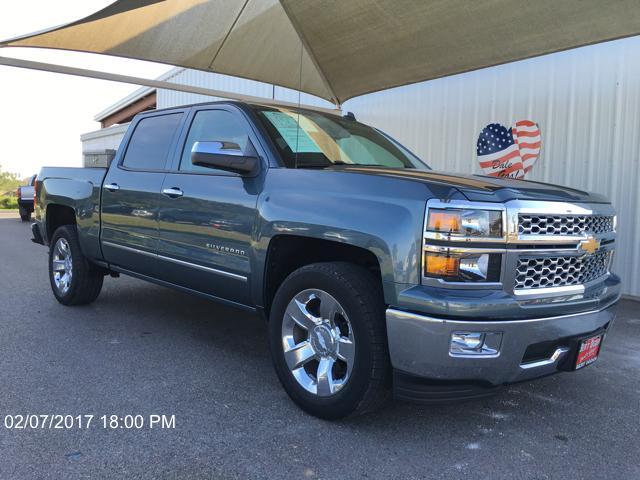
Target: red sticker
column 588, row 352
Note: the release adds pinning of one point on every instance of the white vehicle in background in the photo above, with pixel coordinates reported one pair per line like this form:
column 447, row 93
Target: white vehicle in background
column 25, row 195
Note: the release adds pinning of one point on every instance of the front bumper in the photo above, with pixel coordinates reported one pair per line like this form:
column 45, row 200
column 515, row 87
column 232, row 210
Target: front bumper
column 419, row 345
column 36, row 234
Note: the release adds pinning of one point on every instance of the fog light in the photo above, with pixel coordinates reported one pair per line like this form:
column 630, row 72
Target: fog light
column 482, row 344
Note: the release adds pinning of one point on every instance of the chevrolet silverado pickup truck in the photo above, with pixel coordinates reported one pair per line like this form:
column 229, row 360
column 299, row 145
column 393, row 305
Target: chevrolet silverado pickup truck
column 377, row 275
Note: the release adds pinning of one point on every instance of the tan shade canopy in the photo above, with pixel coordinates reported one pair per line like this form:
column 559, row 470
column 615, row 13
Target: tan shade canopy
column 339, row 49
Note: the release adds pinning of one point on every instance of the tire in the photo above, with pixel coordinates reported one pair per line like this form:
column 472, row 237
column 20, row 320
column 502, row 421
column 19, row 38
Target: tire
column 25, row 215
column 359, row 379
column 74, row 281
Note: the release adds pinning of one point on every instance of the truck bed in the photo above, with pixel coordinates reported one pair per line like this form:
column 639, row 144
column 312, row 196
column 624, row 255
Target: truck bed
column 93, row 175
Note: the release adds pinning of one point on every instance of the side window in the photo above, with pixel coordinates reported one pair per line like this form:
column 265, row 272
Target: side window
column 211, row 126
column 149, row 145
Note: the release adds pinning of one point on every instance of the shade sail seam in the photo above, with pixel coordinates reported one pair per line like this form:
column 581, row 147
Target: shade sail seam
column 224, row 40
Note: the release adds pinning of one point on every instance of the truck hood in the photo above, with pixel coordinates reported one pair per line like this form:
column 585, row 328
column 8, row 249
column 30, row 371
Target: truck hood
column 482, row 188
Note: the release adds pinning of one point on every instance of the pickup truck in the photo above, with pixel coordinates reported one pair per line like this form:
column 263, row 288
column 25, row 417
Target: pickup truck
column 24, row 194
column 377, row 275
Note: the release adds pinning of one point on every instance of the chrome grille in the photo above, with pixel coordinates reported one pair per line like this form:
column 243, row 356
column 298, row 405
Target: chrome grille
column 544, row 272
column 564, row 224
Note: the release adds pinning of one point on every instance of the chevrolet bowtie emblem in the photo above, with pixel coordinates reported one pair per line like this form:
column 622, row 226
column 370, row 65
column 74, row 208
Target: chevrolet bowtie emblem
column 590, row 245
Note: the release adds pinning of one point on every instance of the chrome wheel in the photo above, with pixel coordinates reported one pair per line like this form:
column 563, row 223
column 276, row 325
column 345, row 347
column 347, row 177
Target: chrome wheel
column 318, row 342
column 62, row 266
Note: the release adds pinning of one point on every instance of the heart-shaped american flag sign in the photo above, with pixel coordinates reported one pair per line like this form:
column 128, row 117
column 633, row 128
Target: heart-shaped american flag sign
column 509, row 152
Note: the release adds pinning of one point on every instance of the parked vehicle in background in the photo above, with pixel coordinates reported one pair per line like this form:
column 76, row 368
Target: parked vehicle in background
column 375, row 273
column 25, row 195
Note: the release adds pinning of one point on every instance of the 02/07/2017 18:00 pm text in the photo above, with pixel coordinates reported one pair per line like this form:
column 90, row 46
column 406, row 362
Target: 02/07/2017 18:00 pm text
column 62, row 422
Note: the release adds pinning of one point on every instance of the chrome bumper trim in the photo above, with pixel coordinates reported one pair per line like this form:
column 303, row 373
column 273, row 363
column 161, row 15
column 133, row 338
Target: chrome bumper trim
column 555, row 358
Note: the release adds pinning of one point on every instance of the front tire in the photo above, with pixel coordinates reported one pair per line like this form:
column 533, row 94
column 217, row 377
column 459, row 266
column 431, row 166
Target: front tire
column 74, row 280
column 25, row 215
column 328, row 340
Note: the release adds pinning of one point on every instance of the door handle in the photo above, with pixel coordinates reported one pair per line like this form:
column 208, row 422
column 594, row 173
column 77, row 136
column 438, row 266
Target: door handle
column 112, row 187
column 173, row 192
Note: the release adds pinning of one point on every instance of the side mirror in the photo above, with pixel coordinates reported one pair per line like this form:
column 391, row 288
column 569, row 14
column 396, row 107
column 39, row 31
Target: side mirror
column 225, row 156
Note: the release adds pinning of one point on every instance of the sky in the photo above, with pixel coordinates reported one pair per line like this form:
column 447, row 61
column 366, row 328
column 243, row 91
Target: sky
column 42, row 115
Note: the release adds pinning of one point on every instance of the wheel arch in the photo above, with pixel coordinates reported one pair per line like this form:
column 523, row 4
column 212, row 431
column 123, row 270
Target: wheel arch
column 287, row 253
column 56, row 216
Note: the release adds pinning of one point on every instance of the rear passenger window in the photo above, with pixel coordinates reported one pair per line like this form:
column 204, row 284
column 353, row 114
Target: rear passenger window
column 150, row 142
column 213, row 126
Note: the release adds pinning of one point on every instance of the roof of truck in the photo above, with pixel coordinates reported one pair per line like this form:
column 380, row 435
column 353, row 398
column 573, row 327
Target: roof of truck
column 266, row 103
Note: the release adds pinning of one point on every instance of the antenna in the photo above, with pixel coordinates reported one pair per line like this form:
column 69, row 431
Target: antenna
column 298, row 111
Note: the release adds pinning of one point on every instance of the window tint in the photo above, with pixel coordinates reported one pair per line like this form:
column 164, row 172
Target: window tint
column 150, row 142
column 213, row 126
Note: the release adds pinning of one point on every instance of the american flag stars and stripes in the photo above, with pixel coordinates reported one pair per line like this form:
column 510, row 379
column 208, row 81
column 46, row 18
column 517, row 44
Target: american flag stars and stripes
column 509, row 152
column 527, row 134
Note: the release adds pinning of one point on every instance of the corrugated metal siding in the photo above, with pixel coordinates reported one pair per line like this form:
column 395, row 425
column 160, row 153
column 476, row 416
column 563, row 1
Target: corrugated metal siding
column 170, row 98
column 586, row 101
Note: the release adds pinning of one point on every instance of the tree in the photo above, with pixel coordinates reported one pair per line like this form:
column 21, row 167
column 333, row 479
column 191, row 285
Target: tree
column 8, row 181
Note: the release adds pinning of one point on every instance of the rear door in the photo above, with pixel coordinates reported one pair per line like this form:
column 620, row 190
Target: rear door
column 131, row 192
column 207, row 215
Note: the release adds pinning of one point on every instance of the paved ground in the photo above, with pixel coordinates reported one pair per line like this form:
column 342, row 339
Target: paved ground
column 143, row 349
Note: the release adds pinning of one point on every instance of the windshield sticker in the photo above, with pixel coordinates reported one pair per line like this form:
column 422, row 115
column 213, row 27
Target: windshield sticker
column 297, row 139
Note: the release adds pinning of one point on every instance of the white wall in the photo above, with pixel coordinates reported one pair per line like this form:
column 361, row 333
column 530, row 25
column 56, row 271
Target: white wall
column 103, row 139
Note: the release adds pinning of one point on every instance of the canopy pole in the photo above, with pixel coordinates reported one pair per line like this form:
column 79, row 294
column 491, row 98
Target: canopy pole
column 158, row 84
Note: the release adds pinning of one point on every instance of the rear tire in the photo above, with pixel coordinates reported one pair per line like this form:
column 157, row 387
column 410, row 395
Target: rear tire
column 318, row 310
column 74, row 280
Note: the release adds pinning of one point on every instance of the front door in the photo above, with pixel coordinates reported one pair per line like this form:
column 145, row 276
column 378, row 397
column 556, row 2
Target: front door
column 131, row 193
column 207, row 216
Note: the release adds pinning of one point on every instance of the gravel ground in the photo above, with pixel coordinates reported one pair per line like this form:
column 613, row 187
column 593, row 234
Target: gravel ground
column 146, row 350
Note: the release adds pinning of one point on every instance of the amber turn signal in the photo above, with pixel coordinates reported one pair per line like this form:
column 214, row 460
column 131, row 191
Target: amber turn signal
column 441, row 265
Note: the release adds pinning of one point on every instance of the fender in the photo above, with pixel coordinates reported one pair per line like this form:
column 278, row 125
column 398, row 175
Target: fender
column 382, row 215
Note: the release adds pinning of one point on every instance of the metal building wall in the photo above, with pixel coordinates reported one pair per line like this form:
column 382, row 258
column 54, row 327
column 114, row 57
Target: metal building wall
column 101, row 141
column 170, row 98
column 586, row 101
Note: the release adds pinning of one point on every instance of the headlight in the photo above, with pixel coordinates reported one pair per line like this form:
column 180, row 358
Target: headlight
column 452, row 231
column 465, row 222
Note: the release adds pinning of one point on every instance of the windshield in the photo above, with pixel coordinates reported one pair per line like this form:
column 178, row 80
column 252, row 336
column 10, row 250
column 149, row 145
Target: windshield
column 307, row 139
